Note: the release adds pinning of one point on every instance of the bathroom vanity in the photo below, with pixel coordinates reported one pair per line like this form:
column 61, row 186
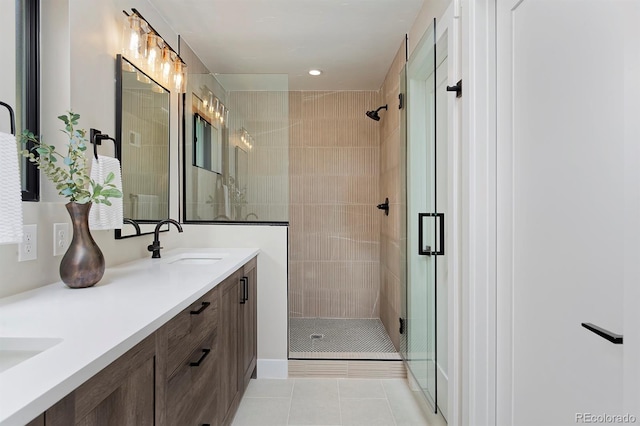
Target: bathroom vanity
column 168, row 341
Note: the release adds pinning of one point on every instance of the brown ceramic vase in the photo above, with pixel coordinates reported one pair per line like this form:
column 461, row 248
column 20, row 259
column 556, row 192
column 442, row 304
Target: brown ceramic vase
column 83, row 263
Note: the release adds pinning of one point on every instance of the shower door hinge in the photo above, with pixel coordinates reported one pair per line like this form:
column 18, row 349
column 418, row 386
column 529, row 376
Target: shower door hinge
column 402, row 325
column 401, row 100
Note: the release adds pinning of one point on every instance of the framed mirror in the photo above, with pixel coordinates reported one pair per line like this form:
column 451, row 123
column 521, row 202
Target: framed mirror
column 142, row 133
column 207, row 145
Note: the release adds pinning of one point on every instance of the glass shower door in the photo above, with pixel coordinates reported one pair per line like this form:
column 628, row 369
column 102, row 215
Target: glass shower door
column 424, row 225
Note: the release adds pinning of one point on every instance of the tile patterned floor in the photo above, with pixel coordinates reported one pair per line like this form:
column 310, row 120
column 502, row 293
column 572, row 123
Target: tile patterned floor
column 338, row 335
column 328, row 402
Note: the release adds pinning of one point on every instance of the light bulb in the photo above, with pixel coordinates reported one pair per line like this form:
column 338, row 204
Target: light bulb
column 179, row 75
column 167, row 65
column 154, row 52
column 133, row 36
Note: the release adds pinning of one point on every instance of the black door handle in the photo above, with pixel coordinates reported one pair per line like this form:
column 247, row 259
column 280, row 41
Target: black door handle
column 614, row 338
column 426, row 250
column 246, row 288
column 205, row 352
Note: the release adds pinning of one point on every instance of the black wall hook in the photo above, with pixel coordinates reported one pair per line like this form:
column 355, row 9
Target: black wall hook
column 457, row 88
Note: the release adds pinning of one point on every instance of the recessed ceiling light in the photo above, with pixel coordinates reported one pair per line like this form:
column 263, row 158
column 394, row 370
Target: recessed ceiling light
column 315, row 72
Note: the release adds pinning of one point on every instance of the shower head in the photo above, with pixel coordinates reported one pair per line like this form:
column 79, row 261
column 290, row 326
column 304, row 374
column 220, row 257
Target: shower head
column 374, row 114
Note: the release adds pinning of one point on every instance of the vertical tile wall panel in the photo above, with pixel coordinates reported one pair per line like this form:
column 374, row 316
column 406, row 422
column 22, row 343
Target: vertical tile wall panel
column 335, row 229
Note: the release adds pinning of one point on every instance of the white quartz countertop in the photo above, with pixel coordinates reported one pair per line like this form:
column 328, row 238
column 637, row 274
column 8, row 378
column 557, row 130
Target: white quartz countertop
column 97, row 325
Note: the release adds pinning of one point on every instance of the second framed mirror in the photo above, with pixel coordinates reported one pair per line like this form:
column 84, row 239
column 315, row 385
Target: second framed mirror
column 142, row 128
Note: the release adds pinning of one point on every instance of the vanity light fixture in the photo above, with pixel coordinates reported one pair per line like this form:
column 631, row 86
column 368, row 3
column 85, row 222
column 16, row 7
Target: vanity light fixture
column 149, row 51
column 315, row 72
column 211, row 107
column 246, row 138
column 216, row 108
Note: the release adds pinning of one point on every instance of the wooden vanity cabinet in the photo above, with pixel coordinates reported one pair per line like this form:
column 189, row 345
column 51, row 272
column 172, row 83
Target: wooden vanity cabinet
column 122, row 394
column 192, row 390
column 191, row 372
column 230, row 389
column 248, row 324
column 187, row 329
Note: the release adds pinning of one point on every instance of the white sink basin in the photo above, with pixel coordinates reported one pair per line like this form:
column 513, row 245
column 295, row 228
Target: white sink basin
column 14, row 350
column 196, row 258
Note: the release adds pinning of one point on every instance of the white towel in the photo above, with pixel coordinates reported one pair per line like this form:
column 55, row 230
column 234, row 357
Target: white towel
column 10, row 191
column 101, row 215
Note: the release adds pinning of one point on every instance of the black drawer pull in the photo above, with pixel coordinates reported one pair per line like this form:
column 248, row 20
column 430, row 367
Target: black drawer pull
column 244, row 280
column 612, row 337
column 205, row 352
column 202, row 308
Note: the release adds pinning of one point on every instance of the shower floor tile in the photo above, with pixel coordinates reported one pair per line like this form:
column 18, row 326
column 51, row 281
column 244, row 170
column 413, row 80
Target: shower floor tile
column 339, row 338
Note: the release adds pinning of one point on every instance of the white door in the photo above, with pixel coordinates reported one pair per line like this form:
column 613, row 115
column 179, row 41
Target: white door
column 568, row 215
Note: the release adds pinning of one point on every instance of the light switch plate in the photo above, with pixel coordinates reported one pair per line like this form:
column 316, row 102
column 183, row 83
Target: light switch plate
column 28, row 248
column 60, row 238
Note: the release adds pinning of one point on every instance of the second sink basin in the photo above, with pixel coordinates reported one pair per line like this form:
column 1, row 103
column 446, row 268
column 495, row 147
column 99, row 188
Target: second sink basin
column 196, row 258
column 14, row 350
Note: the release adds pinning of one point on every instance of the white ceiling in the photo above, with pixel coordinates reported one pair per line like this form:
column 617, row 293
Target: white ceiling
column 352, row 41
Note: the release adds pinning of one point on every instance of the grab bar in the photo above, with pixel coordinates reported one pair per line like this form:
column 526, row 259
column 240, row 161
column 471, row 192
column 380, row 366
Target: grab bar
column 614, row 338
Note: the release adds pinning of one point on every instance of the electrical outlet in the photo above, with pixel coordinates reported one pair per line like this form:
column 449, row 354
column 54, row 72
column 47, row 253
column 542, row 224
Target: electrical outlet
column 28, row 248
column 60, row 238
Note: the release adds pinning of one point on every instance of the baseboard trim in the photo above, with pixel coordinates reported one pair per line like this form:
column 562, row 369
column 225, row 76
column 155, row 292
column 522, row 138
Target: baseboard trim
column 272, row 369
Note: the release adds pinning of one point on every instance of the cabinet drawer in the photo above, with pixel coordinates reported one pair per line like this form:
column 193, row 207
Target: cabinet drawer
column 190, row 327
column 192, row 391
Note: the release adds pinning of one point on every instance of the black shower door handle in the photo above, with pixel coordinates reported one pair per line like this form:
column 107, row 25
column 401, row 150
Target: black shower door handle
column 614, row 338
column 424, row 250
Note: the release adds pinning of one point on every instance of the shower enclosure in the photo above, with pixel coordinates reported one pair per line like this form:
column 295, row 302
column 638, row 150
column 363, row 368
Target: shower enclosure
column 334, row 234
column 424, row 344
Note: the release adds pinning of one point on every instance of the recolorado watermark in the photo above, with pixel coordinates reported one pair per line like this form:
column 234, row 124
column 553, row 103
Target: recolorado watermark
column 605, row 418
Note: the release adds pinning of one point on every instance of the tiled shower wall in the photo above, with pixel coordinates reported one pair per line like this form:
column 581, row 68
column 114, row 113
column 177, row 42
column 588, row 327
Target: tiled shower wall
column 392, row 185
column 334, row 235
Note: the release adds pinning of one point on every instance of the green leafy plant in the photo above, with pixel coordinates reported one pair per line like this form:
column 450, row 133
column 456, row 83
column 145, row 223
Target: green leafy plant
column 69, row 173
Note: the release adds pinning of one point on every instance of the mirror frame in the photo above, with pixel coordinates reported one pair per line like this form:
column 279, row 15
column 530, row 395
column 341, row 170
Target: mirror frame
column 218, row 131
column 28, row 101
column 118, row 136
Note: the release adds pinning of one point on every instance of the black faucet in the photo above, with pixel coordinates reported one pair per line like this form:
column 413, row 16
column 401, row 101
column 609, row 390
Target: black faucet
column 132, row 222
column 155, row 247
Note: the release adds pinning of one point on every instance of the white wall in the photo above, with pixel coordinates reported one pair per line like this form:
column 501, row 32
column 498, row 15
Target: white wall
column 272, row 282
column 80, row 39
column 430, row 9
column 79, row 42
